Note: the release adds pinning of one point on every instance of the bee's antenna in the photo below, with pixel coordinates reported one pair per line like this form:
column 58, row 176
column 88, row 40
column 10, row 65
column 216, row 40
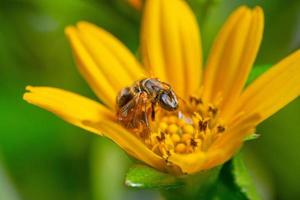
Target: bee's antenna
column 151, row 74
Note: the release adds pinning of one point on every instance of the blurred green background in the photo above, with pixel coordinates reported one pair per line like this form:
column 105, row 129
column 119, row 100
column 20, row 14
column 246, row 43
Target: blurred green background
column 42, row 157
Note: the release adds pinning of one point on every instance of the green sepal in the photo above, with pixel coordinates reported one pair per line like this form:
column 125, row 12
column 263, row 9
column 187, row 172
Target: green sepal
column 144, row 177
column 172, row 187
column 229, row 181
column 234, row 182
column 253, row 136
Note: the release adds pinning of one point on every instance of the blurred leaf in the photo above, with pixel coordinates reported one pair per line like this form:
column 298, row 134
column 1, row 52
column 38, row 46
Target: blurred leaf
column 7, row 191
column 202, row 8
column 278, row 150
column 108, row 166
column 142, row 177
column 243, row 179
column 196, row 186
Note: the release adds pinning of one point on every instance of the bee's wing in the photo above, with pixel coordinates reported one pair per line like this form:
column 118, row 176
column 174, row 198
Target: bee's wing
column 129, row 107
column 134, row 113
column 140, row 114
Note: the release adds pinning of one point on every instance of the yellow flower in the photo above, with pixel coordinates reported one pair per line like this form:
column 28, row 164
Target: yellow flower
column 218, row 111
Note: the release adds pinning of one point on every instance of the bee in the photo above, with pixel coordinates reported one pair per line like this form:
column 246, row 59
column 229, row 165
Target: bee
column 135, row 103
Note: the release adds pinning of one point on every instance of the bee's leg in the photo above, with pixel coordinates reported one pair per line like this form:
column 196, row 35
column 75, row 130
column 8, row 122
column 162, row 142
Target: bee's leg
column 136, row 112
column 145, row 127
column 144, row 117
column 153, row 111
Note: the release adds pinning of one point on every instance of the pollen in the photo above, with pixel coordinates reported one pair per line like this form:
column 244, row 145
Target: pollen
column 192, row 128
column 175, row 138
column 186, row 137
column 173, row 128
column 188, row 129
column 163, row 126
column 180, row 148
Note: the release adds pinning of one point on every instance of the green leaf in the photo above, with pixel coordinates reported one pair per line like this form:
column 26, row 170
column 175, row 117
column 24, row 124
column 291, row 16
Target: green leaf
column 144, row 177
column 256, row 72
column 234, row 183
column 243, row 179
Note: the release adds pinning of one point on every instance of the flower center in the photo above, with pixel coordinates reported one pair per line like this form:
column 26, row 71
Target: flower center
column 194, row 127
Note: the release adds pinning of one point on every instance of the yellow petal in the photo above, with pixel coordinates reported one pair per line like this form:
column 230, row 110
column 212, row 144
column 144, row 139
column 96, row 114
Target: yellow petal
column 91, row 116
column 151, row 41
column 233, row 55
column 220, row 156
column 220, row 47
column 191, row 48
column 105, row 60
column 130, row 143
column 237, row 131
column 253, row 41
column 171, row 45
column 274, row 89
column 189, row 163
column 228, row 144
column 71, row 107
column 126, row 61
column 90, row 70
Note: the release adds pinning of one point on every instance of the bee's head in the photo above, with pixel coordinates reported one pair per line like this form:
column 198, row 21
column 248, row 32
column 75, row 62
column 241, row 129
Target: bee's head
column 167, row 100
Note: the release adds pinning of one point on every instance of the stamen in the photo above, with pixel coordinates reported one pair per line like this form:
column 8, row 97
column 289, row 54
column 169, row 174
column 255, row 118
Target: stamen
column 189, row 130
column 173, row 128
column 193, row 143
column 213, row 110
column 221, row 129
column 203, row 125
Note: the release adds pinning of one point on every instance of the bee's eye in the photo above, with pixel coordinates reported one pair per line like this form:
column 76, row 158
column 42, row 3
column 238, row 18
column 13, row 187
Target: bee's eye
column 168, row 101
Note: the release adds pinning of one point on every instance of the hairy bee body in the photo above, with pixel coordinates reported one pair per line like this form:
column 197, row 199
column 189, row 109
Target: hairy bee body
column 135, row 103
